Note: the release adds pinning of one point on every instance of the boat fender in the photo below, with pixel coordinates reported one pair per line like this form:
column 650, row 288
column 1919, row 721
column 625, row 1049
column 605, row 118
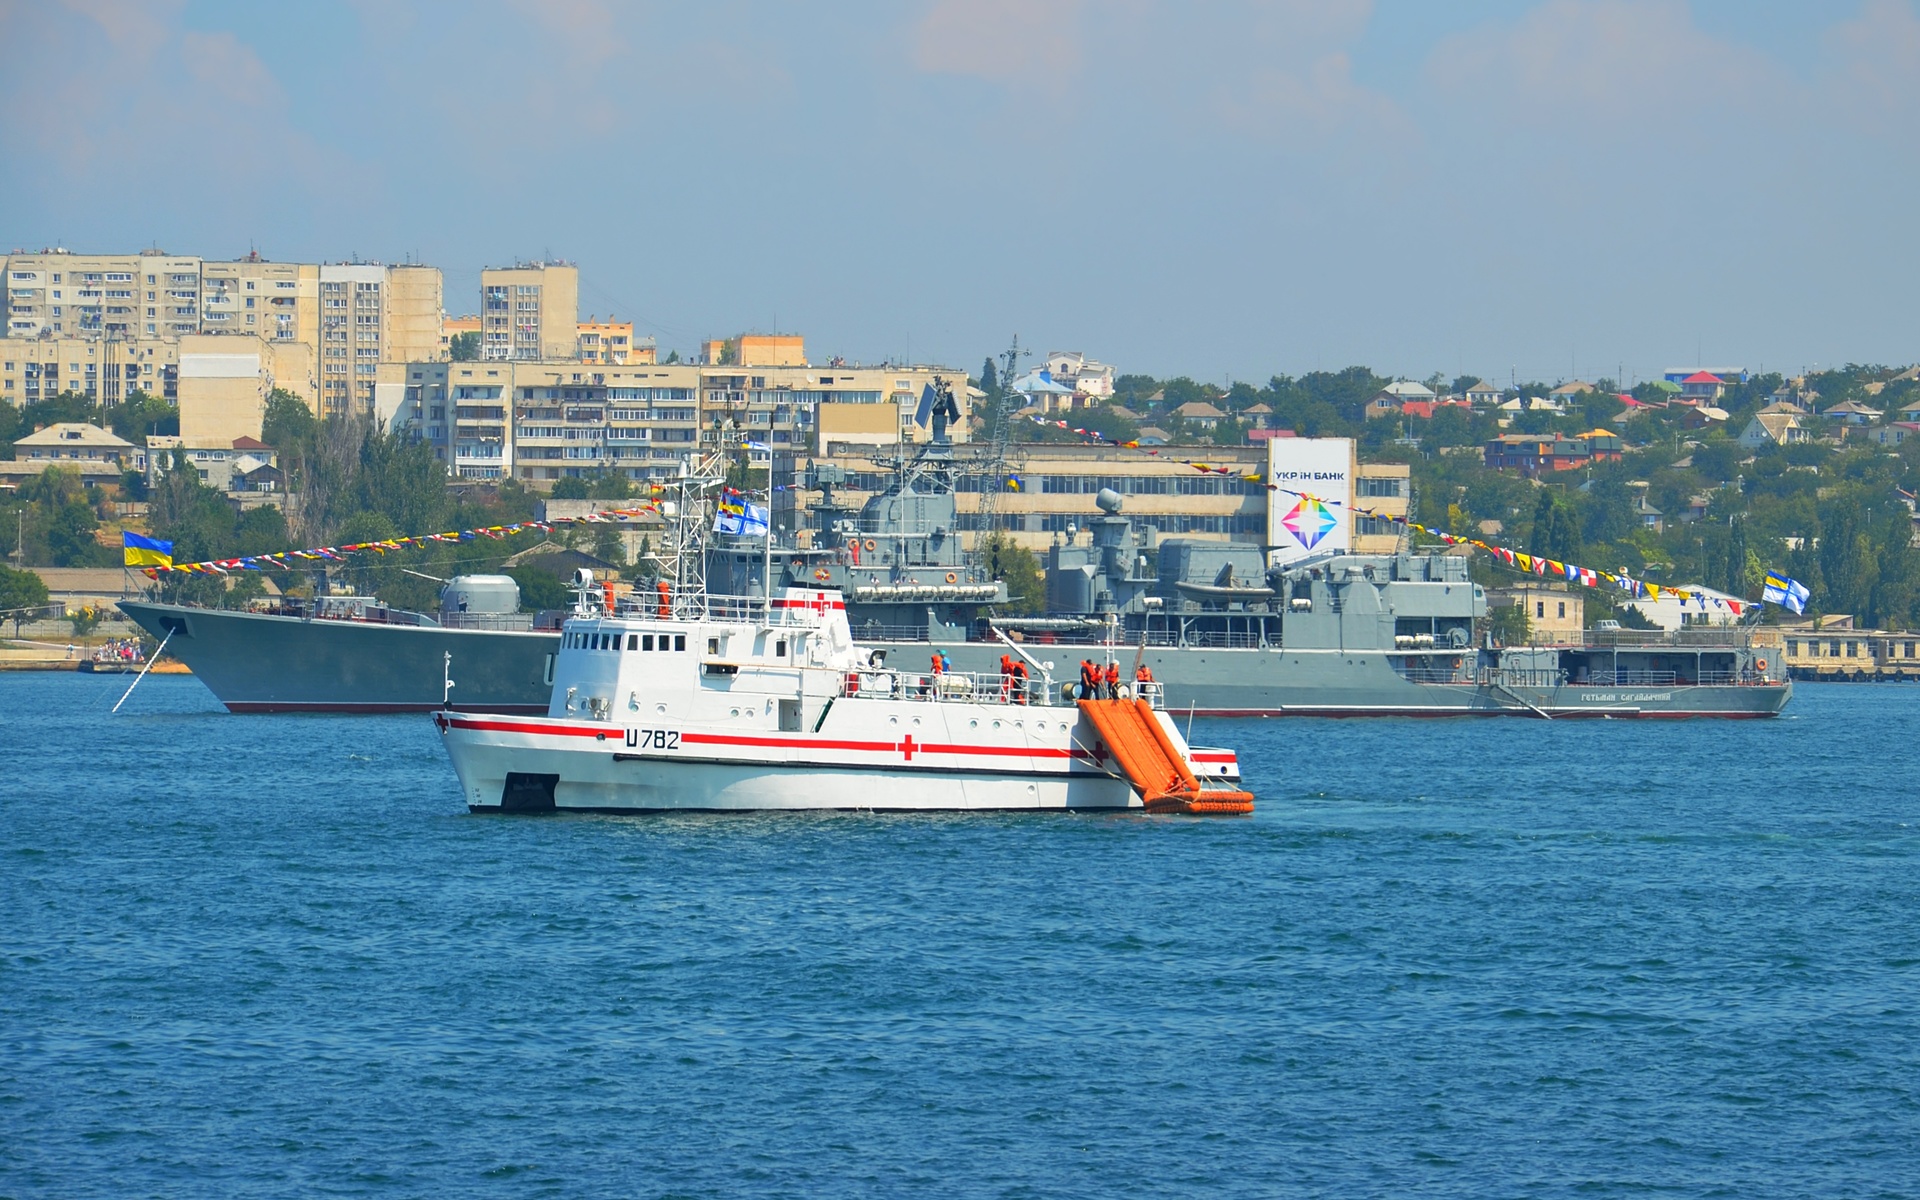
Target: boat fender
column 951, row 577
column 1069, row 691
column 1760, row 663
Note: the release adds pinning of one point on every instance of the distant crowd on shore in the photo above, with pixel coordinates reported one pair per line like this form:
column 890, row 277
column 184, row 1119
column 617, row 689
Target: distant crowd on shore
column 117, row 650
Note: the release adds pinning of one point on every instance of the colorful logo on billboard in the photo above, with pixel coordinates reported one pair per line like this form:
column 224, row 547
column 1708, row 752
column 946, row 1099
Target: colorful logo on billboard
column 1310, row 522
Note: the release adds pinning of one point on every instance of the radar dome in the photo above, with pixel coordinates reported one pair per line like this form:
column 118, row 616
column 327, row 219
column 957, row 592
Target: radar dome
column 1108, row 501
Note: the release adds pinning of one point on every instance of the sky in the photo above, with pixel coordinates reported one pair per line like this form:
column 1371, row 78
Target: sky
column 1226, row 190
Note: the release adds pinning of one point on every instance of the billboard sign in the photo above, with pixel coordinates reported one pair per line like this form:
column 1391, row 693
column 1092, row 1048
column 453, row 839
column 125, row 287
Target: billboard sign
column 1321, row 519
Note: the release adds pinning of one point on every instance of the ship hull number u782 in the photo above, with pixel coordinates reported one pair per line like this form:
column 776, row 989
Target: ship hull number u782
column 653, row 739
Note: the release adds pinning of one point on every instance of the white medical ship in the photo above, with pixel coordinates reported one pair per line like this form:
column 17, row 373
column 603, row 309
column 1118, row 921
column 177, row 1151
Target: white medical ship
column 691, row 704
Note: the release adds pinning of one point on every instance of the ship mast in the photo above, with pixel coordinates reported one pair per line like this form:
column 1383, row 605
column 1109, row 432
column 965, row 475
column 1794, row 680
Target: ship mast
column 993, row 464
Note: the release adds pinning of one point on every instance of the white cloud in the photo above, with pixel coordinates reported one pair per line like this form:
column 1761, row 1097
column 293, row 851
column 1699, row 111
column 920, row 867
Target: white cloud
column 1037, row 42
column 160, row 109
column 1604, row 62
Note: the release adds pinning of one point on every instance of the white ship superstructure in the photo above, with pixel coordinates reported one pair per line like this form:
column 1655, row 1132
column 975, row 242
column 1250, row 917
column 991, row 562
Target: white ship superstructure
column 755, row 704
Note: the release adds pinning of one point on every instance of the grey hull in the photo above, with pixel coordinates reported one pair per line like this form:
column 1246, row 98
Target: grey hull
column 1276, row 683
column 253, row 662
column 258, row 663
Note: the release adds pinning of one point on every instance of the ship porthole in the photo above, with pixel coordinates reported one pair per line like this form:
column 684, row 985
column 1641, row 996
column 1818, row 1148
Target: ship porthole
column 893, row 720
column 973, row 724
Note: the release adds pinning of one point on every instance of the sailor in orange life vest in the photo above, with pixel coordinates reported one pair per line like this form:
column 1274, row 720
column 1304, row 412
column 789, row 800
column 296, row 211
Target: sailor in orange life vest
column 1089, row 680
column 1143, row 674
column 1113, row 681
column 1020, row 682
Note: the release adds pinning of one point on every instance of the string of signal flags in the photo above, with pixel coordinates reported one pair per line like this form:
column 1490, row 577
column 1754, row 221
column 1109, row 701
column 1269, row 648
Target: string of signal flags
column 154, row 557
column 1532, row 564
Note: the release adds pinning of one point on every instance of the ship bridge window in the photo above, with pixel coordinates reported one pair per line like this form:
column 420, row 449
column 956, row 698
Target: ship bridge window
column 633, row 641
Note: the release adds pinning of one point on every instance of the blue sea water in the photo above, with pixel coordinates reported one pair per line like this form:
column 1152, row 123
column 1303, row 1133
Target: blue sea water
column 269, row 956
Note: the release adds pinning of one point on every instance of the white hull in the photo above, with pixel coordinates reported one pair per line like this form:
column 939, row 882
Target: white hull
column 584, row 768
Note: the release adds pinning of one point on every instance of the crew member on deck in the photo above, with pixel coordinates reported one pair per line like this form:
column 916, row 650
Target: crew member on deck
column 1089, row 680
column 1113, row 681
column 1143, row 674
column 1020, row 682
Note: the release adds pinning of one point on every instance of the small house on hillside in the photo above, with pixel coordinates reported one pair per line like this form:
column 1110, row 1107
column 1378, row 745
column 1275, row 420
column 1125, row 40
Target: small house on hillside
column 1199, row 414
column 1483, row 395
column 1773, row 429
column 86, row 450
column 1852, row 412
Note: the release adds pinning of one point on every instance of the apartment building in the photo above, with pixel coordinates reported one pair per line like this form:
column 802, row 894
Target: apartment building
column 104, row 370
column 113, row 322
column 530, row 312
column 57, row 293
column 273, row 300
column 542, row 421
column 370, row 314
column 612, row 343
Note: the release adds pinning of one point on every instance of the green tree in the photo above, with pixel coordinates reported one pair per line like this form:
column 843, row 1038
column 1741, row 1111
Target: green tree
column 990, row 379
column 288, row 425
column 141, row 416
column 1556, row 528
column 464, row 347
column 570, row 487
column 539, row 589
column 1016, row 565
column 19, row 592
column 1509, row 625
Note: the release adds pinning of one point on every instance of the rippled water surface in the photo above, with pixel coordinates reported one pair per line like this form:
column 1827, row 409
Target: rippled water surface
column 273, row 955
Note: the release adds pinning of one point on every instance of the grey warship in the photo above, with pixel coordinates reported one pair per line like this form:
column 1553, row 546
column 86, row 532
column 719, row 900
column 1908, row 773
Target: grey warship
column 1222, row 631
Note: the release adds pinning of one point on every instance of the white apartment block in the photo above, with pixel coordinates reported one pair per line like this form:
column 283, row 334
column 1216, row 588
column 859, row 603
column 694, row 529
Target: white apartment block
column 542, row 421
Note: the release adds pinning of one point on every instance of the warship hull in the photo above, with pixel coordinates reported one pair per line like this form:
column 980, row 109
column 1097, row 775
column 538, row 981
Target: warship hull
column 256, row 663
column 263, row 663
column 1274, row 682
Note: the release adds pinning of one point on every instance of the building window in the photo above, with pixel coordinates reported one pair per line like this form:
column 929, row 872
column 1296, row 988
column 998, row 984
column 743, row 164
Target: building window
column 1540, row 609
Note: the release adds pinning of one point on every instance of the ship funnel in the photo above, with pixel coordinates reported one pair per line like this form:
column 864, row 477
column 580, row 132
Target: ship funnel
column 1108, row 501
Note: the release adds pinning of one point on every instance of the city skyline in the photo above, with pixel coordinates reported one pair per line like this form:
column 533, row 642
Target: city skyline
column 1549, row 190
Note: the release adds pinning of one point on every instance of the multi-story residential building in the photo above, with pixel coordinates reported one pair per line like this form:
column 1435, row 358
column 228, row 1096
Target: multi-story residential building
column 273, row 300
column 58, row 293
column 530, row 312
column 329, row 325
column 612, row 343
column 542, row 421
column 370, row 314
column 103, row 369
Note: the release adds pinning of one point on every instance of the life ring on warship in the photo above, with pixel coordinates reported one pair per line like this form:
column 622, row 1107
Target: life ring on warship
column 1760, row 664
column 822, row 574
column 871, row 546
column 952, row 578
column 1456, row 662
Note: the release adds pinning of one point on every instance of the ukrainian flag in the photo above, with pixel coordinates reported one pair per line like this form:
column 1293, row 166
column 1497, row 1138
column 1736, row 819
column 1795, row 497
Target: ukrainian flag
column 1013, row 483
column 145, row 552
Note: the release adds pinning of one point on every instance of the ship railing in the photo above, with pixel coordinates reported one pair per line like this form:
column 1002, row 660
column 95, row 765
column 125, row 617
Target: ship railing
column 511, row 622
column 1668, row 678
column 1433, row 675
column 1521, row 677
column 1729, row 636
column 951, row 687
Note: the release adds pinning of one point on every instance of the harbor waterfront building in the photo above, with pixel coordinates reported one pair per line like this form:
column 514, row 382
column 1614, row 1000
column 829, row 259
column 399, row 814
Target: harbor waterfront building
column 543, row 421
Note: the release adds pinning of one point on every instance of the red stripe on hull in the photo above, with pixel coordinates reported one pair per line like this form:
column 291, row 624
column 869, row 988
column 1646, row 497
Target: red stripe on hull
column 324, row 706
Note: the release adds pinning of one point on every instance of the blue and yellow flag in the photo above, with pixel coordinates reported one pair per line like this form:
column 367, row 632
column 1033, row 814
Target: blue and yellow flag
column 1013, row 483
column 145, row 552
